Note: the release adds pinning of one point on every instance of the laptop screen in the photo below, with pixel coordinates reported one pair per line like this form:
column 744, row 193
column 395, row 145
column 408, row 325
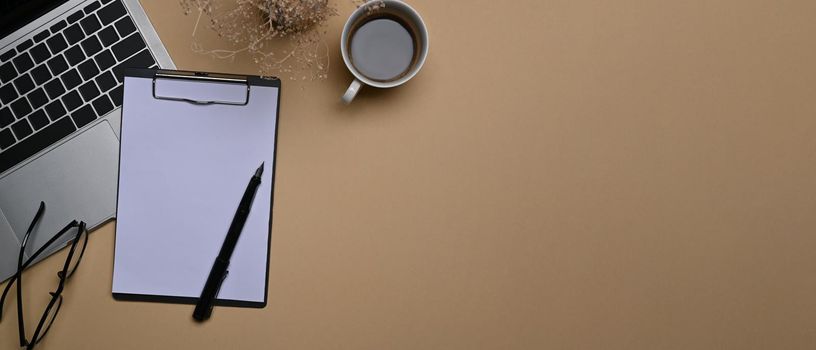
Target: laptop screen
column 16, row 13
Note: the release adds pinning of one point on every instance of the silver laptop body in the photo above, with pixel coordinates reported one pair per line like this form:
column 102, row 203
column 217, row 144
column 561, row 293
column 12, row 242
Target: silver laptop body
column 75, row 176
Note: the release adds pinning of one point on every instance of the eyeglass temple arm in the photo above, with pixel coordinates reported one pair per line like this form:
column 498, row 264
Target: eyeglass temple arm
column 33, row 223
column 22, row 266
column 45, row 246
column 17, row 276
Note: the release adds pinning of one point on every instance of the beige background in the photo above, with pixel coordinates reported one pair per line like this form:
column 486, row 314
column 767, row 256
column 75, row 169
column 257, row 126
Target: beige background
column 563, row 174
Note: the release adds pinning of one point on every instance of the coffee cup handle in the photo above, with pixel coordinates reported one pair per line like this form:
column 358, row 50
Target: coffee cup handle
column 351, row 91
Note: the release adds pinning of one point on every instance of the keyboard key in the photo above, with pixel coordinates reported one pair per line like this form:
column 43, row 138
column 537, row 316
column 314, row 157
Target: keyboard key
column 41, row 74
column 111, row 12
column 74, row 34
column 24, row 45
column 104, row 60
column 108, row 36
column 54, row 88
column 58, row 26
column 74, row 55
column 7, row 72
column 6, row 139
column 37, row 98
column 91, row 45
column 56, row 43
column 90, row 24
column 8, row 93
column 88, row 69
column 6, row 118
column 55, row 110
column 140, row 60
column 38, row 119
column 83, row 116
column 42, row 139
column 92, row 6
column 76, row 16
column 71, row 79
column 21, row 129
column 128, row 46
column 57, row 65
column 23, row 62
column 89, row 91
column 125, row 26
column 21, row 107
column 40, row 53
column 102, row 105
column 105, row 81
column 106, row 1
column 72, row 100
column 8, row 55
column 41, row 35
column 116, row 95
column 23, row 84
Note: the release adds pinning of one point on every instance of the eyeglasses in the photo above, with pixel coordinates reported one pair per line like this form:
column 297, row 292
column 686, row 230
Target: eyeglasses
column 79, row 233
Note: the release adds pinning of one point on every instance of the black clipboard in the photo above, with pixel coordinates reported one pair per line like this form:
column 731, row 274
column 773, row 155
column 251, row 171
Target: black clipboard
column 232, row 105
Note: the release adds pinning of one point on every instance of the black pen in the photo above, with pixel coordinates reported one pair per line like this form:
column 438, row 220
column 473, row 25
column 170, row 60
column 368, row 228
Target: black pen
column 219, row 271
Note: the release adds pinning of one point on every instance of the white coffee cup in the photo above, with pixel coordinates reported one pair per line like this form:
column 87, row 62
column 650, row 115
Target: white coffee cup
column 384, row 9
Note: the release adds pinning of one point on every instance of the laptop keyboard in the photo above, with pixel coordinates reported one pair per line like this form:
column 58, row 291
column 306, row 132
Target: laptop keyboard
column 65, row 77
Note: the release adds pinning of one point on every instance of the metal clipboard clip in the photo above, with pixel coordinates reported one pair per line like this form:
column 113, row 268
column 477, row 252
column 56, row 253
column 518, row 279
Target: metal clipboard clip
column 201, row 76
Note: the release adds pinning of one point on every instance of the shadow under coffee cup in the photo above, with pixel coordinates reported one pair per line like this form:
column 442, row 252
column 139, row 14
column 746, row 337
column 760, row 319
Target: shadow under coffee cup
column 384, row 44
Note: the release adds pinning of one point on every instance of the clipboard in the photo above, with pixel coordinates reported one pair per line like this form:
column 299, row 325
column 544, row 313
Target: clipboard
column 189, row 142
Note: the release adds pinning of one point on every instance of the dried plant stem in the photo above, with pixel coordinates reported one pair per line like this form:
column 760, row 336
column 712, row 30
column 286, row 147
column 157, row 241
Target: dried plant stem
column 262, row 27
column 198, row 19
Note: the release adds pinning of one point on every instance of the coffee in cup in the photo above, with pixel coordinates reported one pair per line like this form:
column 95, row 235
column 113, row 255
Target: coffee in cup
column 384, row 44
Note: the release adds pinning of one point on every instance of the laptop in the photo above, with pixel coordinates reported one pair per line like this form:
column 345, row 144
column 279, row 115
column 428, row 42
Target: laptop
column 61, row 65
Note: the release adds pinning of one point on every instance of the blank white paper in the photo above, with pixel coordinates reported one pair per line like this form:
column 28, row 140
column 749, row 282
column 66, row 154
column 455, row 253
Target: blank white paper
column 183, row 170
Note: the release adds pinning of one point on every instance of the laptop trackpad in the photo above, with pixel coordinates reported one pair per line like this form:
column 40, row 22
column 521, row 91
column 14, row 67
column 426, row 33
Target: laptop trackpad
column 9, row 249
column 76, row 181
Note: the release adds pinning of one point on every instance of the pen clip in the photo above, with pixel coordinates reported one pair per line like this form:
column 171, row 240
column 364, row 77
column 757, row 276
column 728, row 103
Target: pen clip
column 217, row 291
column 205, row 304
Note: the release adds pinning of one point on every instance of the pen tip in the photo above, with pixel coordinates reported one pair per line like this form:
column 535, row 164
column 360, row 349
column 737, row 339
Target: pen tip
column 260, row 170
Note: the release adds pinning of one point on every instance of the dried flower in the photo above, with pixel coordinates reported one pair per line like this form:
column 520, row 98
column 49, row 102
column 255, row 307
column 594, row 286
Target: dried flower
column 293, row 28
column 373, row 5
